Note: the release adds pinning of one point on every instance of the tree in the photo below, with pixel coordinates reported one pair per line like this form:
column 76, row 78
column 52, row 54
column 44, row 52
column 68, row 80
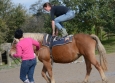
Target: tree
column 11, row 17
column 91, row 13
column 33, row 24
column 42, row 17
column 92, row 16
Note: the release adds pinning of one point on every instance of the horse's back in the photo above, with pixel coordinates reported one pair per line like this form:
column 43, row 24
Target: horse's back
column 84, row 40
column 65, row 53
column 82, row 36
column 85, row 43
column 80, row 44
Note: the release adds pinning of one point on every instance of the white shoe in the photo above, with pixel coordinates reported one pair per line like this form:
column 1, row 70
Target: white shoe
column 26, row 81
column 32, row 82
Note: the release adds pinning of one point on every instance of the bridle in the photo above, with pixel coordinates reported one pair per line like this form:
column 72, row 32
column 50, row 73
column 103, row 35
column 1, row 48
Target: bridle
column 13, row 58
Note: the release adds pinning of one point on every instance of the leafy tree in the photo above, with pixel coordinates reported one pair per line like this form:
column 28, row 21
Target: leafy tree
column 11, row 18
column 33, row 24
column 92, row 16
column 41, row 16
column 91, row 13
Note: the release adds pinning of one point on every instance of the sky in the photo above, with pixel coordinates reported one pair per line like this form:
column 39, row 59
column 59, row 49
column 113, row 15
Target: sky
column 26, row 3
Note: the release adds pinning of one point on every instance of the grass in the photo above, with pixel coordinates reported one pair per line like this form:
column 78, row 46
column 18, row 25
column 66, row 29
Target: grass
column 109, row 45
column 6, row 66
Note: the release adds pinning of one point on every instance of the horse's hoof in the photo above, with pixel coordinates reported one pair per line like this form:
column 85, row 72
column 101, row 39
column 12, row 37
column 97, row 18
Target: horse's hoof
column 105, row 80
column 85, row 82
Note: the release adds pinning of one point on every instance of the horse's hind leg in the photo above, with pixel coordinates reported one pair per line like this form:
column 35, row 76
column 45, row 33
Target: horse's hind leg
column 48, row 67
column 44, row 70
column 93, row 61
column 99, row 68
column 88, row 69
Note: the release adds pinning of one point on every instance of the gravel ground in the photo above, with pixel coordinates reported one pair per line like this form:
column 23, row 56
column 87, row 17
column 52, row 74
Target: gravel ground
column 63, row 73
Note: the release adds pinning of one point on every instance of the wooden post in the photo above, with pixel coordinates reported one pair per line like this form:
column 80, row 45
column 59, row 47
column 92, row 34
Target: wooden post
column 8, row 58
column 0, row 58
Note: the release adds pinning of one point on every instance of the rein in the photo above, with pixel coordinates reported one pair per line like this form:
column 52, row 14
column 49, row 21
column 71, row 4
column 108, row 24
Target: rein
column 15, row 61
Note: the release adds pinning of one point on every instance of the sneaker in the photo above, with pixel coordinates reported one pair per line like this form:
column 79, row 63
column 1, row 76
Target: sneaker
column 32, row 82
column 64, row 32
column 26, row 81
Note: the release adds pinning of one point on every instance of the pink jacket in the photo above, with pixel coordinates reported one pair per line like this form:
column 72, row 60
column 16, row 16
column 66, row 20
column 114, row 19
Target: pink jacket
column 24, row 48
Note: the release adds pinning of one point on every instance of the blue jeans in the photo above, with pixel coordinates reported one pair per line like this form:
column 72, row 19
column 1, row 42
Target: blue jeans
column 65, row 17
column 27, row 69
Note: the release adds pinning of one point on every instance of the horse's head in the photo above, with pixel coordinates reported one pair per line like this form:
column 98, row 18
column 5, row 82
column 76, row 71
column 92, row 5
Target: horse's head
column 13, row 46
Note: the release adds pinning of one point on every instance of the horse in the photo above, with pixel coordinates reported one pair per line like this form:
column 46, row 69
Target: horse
column 82, row 45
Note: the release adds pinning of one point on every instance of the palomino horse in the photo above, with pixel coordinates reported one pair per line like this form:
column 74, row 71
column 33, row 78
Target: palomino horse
column 82, row 44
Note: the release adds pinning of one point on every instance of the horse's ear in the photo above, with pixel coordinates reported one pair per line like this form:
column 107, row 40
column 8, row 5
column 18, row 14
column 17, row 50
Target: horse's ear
column 17, row 40
column 13, row 41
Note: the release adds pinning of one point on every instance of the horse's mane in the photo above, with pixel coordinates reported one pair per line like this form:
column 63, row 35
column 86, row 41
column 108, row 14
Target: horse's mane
column 36, row 36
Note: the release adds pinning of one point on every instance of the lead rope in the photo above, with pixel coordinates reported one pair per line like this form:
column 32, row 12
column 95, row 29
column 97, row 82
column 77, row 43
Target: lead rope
column 14, row 59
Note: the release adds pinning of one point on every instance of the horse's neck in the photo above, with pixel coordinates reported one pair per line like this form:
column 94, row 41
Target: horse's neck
column 36, row 36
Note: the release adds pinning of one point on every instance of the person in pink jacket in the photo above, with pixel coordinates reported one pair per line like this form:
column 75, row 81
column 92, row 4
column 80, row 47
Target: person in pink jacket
column 24, row 50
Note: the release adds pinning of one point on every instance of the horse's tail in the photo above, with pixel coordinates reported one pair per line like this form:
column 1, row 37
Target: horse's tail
column 102, row 52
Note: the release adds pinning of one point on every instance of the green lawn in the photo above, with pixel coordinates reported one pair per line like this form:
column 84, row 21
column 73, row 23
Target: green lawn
column 109, row 45
column 6, row 67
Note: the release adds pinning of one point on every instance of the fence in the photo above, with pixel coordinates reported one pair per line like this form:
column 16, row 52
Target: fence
column 4, row 54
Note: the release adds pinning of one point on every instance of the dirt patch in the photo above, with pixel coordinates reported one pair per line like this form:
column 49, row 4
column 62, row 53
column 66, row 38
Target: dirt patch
column 63, row 73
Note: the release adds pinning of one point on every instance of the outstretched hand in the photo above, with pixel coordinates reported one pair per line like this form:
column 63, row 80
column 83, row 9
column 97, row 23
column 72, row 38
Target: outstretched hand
column 12, row 52
column 53, row 33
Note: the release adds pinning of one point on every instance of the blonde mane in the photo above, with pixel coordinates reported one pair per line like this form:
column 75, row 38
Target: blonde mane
column 35, row 36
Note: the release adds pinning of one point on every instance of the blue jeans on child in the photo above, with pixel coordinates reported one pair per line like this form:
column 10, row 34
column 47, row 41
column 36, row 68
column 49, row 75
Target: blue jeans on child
column 58, row 20
column 27, row 69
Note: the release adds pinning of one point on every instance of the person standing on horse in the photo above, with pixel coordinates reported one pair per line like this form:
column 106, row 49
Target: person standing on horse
column 62, row 14
column 24, row 50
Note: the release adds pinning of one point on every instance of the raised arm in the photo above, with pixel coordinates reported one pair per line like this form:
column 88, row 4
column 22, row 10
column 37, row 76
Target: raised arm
column 36, row 43
column 18, row 53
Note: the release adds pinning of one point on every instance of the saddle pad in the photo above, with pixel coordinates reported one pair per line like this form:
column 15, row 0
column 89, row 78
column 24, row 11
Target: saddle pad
column 46, row 40
column 62, row 41
column 50, row 41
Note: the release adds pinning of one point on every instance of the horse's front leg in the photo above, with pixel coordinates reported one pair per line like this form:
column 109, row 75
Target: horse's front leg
column 48, row 66
column 44, row 70
column 44, row 57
